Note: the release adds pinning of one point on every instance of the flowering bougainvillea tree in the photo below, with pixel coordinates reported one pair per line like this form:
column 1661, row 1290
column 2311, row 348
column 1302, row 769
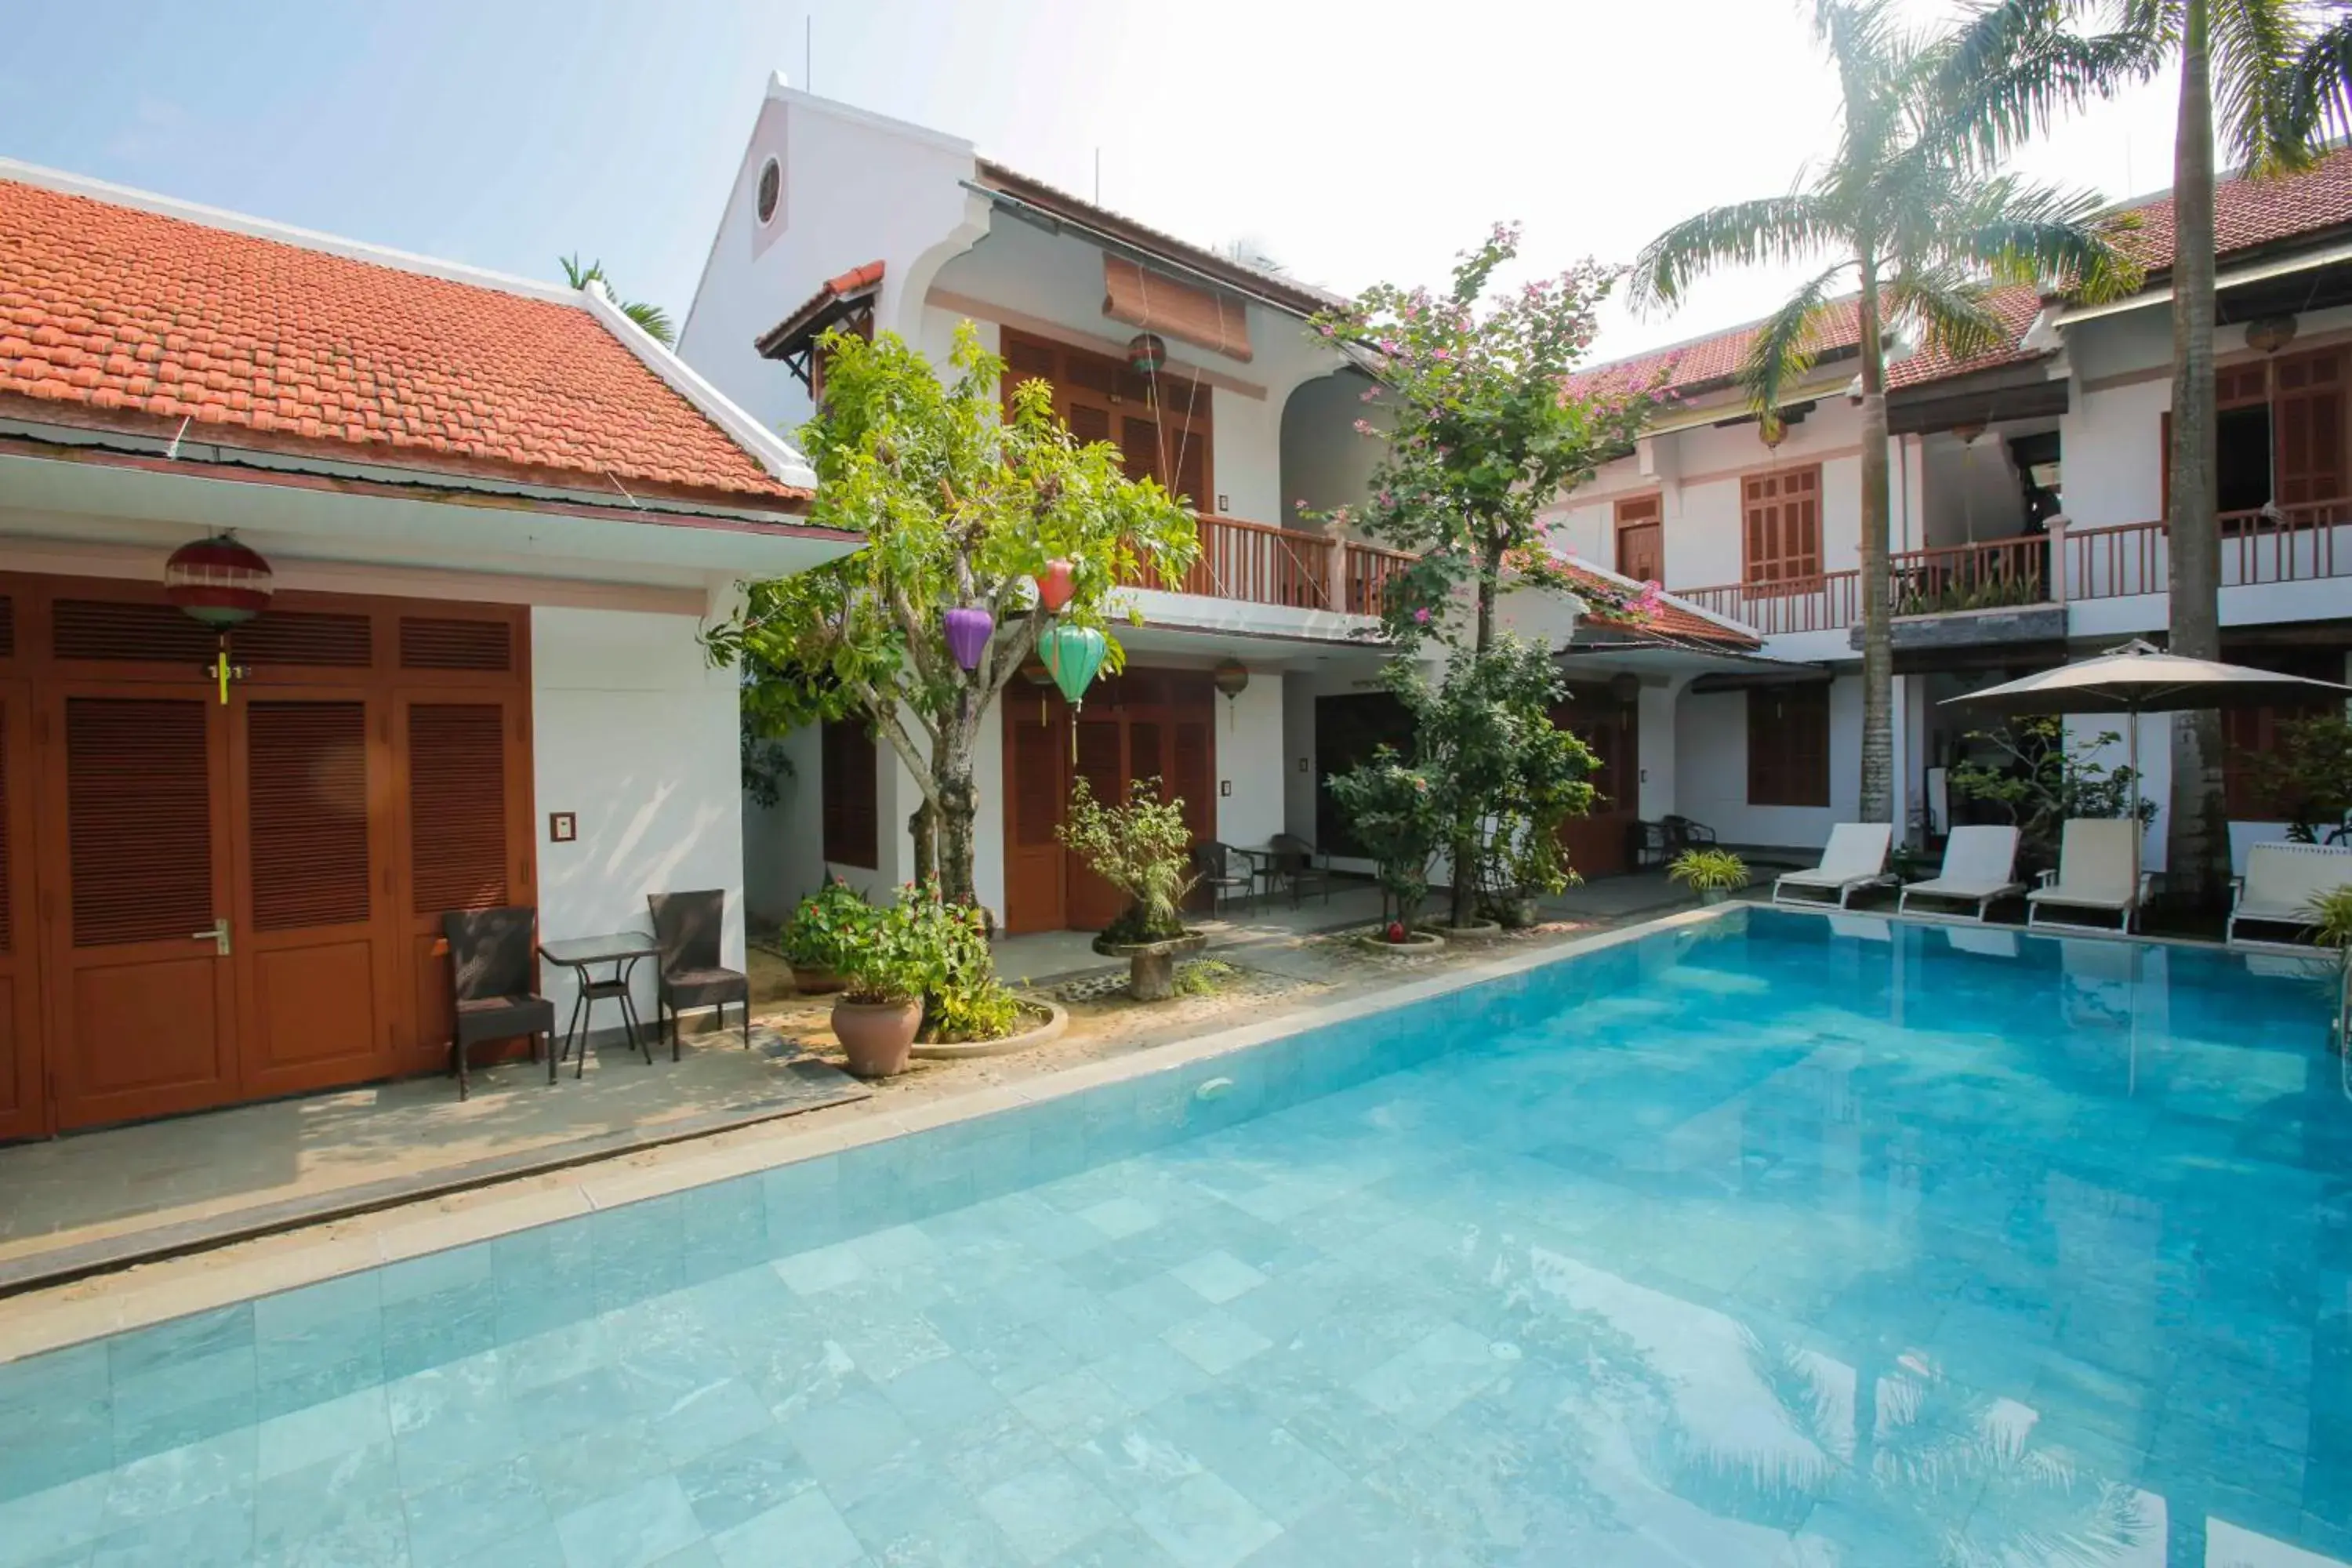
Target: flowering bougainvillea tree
column 963, row 505
column 1485, row 424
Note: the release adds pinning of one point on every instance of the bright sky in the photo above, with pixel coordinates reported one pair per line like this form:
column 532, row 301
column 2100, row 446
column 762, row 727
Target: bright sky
column 1355, row 142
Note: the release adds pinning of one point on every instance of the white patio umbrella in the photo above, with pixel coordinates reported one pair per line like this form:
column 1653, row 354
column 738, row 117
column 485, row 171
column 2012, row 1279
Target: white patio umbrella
column 2139, row 678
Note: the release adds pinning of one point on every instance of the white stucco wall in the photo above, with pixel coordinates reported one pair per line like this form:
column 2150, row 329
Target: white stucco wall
column 1711, row 770
column 1326, row 462
column 784, row 845
column 634, row 732
column 1252, row 741
column 857, row 187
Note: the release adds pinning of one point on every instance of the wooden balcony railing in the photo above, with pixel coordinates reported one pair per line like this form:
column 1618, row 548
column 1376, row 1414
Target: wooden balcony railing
column 1259, row 563
column 2294, row 544
column 1368, row 570
column 1829, row 603
column 1981, row 576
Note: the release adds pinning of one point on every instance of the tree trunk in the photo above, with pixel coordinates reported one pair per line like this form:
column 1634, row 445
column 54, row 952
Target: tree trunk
column 922, row 827
column 2198, row 836
column 959, row 815
column 1877, row 802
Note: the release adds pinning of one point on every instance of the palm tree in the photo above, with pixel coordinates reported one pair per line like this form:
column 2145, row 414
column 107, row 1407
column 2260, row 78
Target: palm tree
column 1903, row 215
column 2015, row 68
column 2320, row 90
column 651, row 318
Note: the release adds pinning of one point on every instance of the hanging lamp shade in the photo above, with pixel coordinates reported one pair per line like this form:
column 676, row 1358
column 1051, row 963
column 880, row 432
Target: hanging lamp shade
column 967, row 630
column 1074, row 654
column 217, row 581
column 1146, row 353
column 1232, row 676
column 1055, row 583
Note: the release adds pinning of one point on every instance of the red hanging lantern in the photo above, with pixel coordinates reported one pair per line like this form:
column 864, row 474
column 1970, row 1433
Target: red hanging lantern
column 1055, row 583
column 217, row 581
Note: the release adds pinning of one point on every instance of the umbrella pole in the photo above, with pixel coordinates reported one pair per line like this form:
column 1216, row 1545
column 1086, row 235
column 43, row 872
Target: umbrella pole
column 2139, row 829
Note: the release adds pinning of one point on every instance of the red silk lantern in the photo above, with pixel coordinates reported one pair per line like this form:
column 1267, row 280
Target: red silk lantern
column 1055, row 586
column 218, row 581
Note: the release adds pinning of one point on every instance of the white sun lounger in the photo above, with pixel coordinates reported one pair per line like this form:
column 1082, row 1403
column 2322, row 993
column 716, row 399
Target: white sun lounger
column 1854, row 859
column 1979, row 865
column 2282, row 879
column 2098, row 870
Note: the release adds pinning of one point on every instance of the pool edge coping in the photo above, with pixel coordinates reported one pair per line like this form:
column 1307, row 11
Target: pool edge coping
column 44, row 1320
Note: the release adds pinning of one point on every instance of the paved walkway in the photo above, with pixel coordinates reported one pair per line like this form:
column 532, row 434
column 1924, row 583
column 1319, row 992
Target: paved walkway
column 101, row 1200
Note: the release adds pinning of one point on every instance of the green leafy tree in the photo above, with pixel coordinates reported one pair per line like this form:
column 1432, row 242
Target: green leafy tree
column 1486, row 426
column 1396, row 816
column 1498, row 776
column 651, row 318
column 2043, row 779
column 1144, row 847
column 2015, row 67
column 2308, row 777
column 1904, row 221
column 961, row 506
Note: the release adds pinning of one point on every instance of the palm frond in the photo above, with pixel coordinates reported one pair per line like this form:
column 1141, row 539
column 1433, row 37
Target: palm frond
column 653, row 320
column 2319, row 92
column 1774, row 230
column 2257, row 45
column 1787, row 345
column 1951, row 312
column 2014, row 68
column 2019, row 232
column 578, row 276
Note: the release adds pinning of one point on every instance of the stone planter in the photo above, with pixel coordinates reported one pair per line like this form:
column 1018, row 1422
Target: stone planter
column 1476, row 931
column 1416, row 944
column 814, row 979
column 1056, row 1019
column 878, row 1036
column 1518, row 914
column 1151, row 965
column 1714, row 895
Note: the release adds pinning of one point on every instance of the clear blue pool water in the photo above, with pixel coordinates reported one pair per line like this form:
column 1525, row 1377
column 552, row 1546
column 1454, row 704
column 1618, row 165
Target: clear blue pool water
column 1786, row 1243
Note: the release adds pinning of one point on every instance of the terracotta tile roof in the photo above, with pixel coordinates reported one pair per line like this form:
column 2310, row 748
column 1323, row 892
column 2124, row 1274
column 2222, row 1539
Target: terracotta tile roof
column 1674, row 621
column 127, row 318
column 2248, row 214
column 813, row 315
column 1303, row 299
column 2251, row 213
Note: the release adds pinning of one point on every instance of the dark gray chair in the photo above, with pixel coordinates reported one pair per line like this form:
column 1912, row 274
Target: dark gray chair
column 1683, row 833
column 687, row 928
column 1300, row 865
column 489, row 985
column 1213, row 863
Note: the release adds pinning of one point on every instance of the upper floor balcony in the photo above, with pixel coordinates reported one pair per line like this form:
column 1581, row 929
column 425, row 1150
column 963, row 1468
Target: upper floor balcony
column 1262, row 563
column 2296, row 544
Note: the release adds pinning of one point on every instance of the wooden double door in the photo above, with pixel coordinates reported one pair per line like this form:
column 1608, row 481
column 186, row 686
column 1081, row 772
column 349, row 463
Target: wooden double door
column 212, row 901
column 1142, row 724
column 1611, row 727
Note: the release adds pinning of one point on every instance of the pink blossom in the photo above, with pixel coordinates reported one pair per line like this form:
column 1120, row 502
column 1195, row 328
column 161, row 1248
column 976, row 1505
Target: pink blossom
column 1421, row 615
column 1363, row 426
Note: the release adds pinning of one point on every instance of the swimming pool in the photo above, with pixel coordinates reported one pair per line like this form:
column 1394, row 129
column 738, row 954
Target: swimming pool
column 1771, row 1240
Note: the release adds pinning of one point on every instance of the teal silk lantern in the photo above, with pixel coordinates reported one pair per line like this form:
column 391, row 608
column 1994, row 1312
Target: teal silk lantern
column 1072, row 656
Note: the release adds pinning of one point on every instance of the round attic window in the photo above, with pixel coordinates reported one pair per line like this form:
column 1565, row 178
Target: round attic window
column 771, row 190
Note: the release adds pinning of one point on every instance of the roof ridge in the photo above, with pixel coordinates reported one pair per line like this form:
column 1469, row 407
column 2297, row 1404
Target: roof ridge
column 66, row 183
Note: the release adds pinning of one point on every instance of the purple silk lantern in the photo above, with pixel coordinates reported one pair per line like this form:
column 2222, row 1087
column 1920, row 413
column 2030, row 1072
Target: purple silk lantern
column 968, row 632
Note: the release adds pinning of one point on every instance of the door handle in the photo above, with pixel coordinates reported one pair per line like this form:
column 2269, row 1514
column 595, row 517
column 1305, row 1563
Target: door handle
column 217, row 934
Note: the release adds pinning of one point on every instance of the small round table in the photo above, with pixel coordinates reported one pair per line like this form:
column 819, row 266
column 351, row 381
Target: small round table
column 581, row 954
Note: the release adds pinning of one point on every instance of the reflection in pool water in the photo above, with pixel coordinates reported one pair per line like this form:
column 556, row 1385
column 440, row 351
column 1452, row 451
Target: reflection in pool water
column 1782, row 1242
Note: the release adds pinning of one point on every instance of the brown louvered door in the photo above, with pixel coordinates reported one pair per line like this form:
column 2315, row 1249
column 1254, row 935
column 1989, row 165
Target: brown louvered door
column 1036, row 753
column 23, row 1107
column 317, row 956
column 1089, row 902
column 464, row 764
column 142, row 1005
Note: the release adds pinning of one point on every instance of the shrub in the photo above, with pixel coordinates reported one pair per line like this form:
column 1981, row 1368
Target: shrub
column 2331, row 915
column 2307, row 780
column 1397, row 817
column 826, row 925
column 1144, row 848
column 2042, row 779
column 1708, row 871
column 967, row 1001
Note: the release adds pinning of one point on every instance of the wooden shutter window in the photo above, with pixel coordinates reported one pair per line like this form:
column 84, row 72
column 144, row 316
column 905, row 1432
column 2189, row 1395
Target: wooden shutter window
column 108, row 629
column 2308, row 428
column 851, row 764
column 1192, row 766
column 1641, row 553
column 1089, row 424
column 1783, row 537
column 427, row 643
column 306, row 794
column 7, row 628
column 8, row 914
column 1037, row 782
column 456, row 806
column 1789, row 745
column 138, row 819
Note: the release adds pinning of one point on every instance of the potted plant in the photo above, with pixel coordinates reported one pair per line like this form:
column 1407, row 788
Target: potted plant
column 888, row 966
column 1396, row 817
column 1144, row 848
column 820, row 931
column 1713, row 874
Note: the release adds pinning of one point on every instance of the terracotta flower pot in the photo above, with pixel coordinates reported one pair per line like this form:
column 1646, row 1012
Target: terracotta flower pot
column 878, row 1036
column 814, row 979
